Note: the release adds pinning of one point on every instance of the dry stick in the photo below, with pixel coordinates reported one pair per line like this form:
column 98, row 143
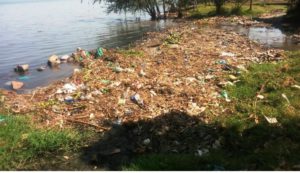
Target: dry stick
column 81, row 117
column 86, row 123
column 259, row 92
column 32, row 95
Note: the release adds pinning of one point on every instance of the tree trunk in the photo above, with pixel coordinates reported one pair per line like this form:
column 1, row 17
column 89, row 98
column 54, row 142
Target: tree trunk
column 250, row 5
column 218, row 4
column 157, row 9
column 179, row 6
column 153, row 15
column 164, row 9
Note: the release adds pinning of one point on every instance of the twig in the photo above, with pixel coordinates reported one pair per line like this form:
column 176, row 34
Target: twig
column 86, row 123
column 259, row 92
column 81, row 117
column 32, row 95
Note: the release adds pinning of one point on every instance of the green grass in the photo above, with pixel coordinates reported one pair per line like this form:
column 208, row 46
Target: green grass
column 230, row 9
column 21, row 143
column 130, row 52
column 248, row 141
column 173, row 38
column 263, row 145
column 159, row 162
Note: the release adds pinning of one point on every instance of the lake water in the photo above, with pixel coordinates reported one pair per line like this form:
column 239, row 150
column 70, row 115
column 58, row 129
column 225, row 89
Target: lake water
column 32, row 30
column 267, row 36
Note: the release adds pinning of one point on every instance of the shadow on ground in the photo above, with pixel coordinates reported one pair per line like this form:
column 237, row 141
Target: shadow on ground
column 175, row 141
column 283, row 22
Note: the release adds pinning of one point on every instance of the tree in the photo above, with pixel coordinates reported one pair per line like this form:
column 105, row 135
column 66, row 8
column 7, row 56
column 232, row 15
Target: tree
column 149, row 6
column 250, row 8
column 294, row 10
column 218, row 5
column 118, row 6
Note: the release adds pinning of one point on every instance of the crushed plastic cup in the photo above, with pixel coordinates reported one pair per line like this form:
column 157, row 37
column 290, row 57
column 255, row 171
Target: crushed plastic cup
column 128, row 112
column 224, row 94
column 136, row 98
column 147, row 141
column 222, row 61
column 228, row 54
column 92, row 116
column 118, row 122
column 117, row 69
column 232, row 77
column 142, row 73
column 271, row 120
column 2, row 118
column 64, row 58
column 69, row 99
column 69, row 88
column 260, row 96
column 286, row 98
column 121, row 101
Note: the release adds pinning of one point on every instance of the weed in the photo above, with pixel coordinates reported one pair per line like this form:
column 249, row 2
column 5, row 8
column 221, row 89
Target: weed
column 22, row 143
column 48, row 103
column 173, row 38
column 105, row 90
column 131, row 53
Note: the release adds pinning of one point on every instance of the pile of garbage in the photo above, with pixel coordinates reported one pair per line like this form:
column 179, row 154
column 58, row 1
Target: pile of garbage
column 235, row 20
column 185, row 68
column 54, row 61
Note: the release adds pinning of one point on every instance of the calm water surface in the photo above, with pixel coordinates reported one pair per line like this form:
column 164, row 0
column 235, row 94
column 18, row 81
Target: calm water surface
column 32, row 30
column 268, row 36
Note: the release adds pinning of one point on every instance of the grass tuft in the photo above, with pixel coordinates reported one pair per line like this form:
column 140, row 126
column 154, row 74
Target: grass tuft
column 22, row 143
column 231, row 9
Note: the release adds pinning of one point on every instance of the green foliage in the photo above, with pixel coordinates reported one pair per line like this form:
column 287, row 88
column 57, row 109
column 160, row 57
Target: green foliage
column 173, row 38
column 48, row 103
column 237, row 10
column 118, row 6
column 232, row 9
column 22, row 143
column 105, row 90
column 52, row 140
column 248, row 141
column 161, row 162
column 294, row 10
column 271, row 81
column 131, row 53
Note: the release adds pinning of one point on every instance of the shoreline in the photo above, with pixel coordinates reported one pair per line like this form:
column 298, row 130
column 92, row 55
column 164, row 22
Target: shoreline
column 155, row 44
column 262, row 21
column 228, row 20
column 38, row 58
column 162, row 95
